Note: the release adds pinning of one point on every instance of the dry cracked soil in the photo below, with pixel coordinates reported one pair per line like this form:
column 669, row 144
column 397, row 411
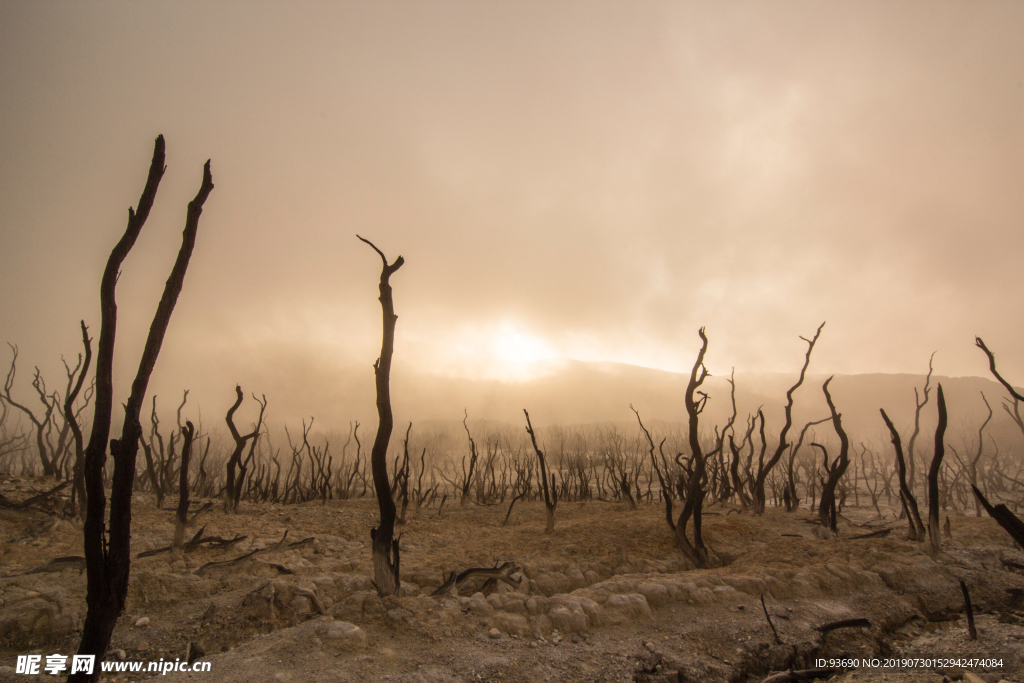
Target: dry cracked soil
column 606, row 597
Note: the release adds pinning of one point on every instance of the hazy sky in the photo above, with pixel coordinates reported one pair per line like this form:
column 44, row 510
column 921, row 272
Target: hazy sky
column 584, row 180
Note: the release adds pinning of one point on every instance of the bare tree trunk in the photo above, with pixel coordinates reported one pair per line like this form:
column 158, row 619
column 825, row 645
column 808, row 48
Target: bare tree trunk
column 78, row 488
column 934, row 531
column 40, row 425
column 692, row 506
column 763, row 470
column 826, row 507
column 385, row 548
column 918, row 405
column 550, row 493
column 472, row 462
column 973, row 469
column 107, row 556
column 906, row 496
column 402, row 475
column 793, row 503
column 233, row 487
column 182, row 512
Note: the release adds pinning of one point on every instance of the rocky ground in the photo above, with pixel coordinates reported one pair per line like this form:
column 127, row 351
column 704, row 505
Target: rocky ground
column 606, row 597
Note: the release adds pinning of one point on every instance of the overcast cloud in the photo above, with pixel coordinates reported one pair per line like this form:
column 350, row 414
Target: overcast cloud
column 565, row 180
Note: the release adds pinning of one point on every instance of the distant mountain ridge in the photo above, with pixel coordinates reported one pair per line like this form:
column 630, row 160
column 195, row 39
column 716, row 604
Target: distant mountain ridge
column 586, row 392
column 579, row 392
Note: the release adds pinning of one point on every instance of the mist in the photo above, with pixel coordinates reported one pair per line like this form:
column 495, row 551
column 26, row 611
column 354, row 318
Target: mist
column 583, row 182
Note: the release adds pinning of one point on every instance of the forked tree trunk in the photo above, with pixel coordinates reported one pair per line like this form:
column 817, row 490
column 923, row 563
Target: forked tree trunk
column 233, row 487
column 107, row 555
column 78, row 472
column 826, row 508
column 385, row 547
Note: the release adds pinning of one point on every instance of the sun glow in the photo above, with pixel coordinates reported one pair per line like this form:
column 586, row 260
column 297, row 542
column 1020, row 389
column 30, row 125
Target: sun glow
column 499, row 350
column 518, row 355
column 511, row 346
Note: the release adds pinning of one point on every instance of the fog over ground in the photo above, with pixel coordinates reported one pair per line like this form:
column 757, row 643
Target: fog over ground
column 575, row 180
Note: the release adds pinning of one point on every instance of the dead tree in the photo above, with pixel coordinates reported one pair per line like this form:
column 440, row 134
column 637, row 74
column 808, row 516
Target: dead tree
column 49, row 469
column 766, row 468
column 11, row 443
column 180, row 516
column 907, row 498
column 692, row 506
column 737, row 479
column 918, row 405
column 550, row 492
column 244, row 466
column 401, row 484
column 1014, row 394
column 107, row 554
column 972, row 467
column 78, row 489
column 934, row 532
column 838, row 468
column 468, row 476
column 233, row 488
column 664, row 478
column 385, row 546
column 790, row 497
column 61, row 455
column 155, row 478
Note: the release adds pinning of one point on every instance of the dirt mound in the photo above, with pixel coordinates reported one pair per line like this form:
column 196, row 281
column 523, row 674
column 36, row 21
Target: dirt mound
column 606, row 597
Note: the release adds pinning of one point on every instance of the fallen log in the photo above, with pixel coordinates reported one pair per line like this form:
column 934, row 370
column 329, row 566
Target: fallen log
column 7, row 503
column 493, row 575
column 56, row 565
column 874, row 534
column 844, row 623
column 197, row 541
column 242, row 558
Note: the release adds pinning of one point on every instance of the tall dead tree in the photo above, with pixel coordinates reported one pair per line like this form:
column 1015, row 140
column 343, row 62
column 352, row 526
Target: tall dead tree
column 907, row 498
column 695, row 401
column 838, row 467
column 107, row 555
column 934, row 532
column 385, row 546
column 764, row 470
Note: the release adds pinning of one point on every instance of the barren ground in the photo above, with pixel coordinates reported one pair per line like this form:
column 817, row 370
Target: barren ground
column 606, row 597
